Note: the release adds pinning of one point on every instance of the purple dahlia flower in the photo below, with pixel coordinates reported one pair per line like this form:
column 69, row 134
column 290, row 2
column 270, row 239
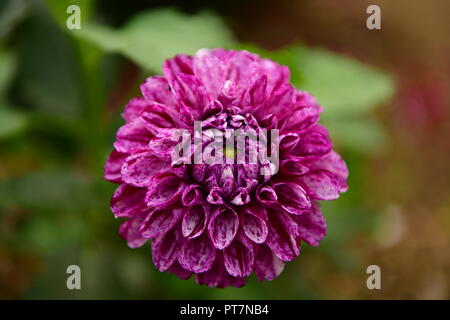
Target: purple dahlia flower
column 223, row 221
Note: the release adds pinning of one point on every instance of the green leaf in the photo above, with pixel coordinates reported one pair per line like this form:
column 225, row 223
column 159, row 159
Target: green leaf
column 364, row 135
column 151, row 37
column 343, row 86
column 104, row 37
column 11, row 122
column 7, row 68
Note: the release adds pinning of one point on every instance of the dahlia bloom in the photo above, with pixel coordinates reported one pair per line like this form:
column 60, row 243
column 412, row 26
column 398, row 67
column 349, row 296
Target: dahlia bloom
column 222, row 222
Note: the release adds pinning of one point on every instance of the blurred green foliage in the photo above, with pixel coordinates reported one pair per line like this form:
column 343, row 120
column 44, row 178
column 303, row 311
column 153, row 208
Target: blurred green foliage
column 57, row 126
column 170, row 32
column 11, row 121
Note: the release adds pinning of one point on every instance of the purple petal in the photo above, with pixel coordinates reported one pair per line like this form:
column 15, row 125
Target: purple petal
column 280, row 100
column 302, row 119
column 128, row 201
column 113, row 166
column 312, row 226
column 192, row 195
column 133, row 136
column 181, row 63
column 267, row 265
column 288, row 141
column 194, row 221
column 214, row 196
column 269, row 121
column 199, row 172
column 229, row 92
column 156, row 89
column 160, row 118
column 129, row 231
column 254, row 226
column 210, row 70
column 179, row 271
column 282, row 238
column 223, row 227
column 164, row 189
column 241, row 198
column 197, row 255
column 333, row 163
column 258, row 211
column 134, row 109
column 213, row 108
column 159, row 221
column 162, row 148
column 276, row 74
column 256, row 92
column 238, row 259
column 165, row 249
column 217, row 276
column 305, row 113
column 227, row 181
column 292, row 197
column 266, row 195
column 293, row 166
column 190, row 92
column 321, row 185
column 241, row 67
column 313, row 143
column 139, row 168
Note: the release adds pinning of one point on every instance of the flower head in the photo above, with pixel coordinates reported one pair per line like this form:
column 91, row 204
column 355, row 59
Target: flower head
column 222, row 221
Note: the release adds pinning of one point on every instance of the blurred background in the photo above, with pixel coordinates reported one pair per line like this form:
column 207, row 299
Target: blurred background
column 386, row 99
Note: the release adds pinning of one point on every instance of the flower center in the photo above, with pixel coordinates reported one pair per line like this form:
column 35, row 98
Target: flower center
column 233, row 150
